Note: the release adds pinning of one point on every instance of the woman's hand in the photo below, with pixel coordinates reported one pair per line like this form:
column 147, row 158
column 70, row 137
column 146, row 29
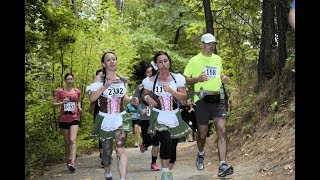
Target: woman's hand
column 168, row 89
column 151, row 101
column 65, row 100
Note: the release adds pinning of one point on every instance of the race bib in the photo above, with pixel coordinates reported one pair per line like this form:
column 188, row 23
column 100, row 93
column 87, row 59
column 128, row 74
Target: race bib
column 211, row 72
column 159, row 90
column 116, row 90
column 70, row 106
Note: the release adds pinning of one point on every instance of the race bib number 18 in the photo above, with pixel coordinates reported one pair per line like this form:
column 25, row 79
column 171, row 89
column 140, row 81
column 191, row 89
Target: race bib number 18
column 211, row 72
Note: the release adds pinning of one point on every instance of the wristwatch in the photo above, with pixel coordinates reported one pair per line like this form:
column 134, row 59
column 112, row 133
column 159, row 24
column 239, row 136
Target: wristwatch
column 146, row 96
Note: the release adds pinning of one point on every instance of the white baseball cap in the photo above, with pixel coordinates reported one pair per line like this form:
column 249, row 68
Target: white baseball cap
column 208, row 38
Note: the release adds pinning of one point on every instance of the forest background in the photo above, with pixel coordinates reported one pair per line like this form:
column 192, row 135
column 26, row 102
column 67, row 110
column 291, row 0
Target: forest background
column 254, row 39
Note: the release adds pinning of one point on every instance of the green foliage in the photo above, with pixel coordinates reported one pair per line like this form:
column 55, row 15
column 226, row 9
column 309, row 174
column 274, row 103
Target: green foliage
column 247, row 128
column 59, row 41
column 274, row 106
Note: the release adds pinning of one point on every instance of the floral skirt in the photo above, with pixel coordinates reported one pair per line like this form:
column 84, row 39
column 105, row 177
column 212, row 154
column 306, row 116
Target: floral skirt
column 104, row 135
column 182, row 130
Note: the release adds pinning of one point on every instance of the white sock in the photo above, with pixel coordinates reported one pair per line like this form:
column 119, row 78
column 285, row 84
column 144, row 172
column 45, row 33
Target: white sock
column 222, row 162
column 108, row 175
column 165, row 170
column 201, row 153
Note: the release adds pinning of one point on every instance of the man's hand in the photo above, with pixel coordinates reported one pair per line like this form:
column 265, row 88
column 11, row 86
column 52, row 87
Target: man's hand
column 202, row 77
column 224, row 78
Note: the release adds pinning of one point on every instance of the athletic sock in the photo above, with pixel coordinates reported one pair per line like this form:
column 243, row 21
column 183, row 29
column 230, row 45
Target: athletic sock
column 154, row 159
column 107, row 175
column 201, row 153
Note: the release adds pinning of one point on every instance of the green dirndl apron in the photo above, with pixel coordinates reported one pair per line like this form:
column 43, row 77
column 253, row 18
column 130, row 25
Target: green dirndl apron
column 182, row 130
column 104, row 135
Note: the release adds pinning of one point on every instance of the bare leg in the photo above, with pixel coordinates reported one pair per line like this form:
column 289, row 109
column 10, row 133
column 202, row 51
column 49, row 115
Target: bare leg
column 136, row 132
column 66, row 138
column 73, row 144
column 202, row 135
column 222, row 143
column 171, row 166
column 165, row 163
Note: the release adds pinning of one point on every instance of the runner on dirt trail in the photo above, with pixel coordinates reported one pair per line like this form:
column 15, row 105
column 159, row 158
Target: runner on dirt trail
column 68, row 98
column 163, row 92
column 112, row 122
column 205, row 71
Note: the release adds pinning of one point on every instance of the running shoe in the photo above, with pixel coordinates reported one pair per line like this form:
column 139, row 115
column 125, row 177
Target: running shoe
column 224, row 170
column 72, row 168
column 199, row 162
column 166, row 176
column 142, row 148
column 136, row 144
column 155, row 167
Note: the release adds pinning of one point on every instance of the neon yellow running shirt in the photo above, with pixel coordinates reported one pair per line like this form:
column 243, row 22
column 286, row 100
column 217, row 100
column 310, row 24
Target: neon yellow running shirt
column 211, row 65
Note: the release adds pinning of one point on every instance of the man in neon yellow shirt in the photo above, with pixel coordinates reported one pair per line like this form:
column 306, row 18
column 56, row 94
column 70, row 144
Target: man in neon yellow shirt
column 205, row 71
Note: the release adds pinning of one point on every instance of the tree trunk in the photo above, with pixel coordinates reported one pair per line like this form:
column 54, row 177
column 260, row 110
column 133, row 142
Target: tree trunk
column 282, row 19
column 208, row 18
column 119, row 4
column 178, row 31
column 268, row 45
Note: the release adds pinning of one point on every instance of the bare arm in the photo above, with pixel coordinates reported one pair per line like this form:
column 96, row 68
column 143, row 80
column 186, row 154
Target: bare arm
column 56, row 102
column 79, row 107
column 180, row 94
column 292, row 15
column 201, row 78
column 97, row 78
column 94, row 95
column 145, row 95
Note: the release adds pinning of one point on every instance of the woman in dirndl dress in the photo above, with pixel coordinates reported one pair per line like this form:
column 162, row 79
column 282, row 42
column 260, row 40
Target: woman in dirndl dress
column 163, row 92
column 112, row 122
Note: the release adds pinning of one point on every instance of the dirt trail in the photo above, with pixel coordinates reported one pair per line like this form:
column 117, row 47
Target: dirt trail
column 267, row 155
column 89, row 167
